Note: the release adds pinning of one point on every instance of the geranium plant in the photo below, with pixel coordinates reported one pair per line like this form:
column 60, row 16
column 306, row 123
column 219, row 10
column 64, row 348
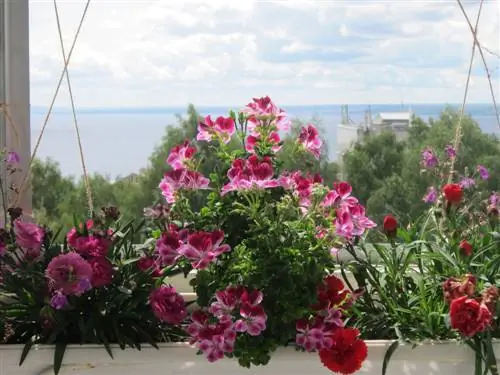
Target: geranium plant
column 437, row 279
column 91, row 288
column 262, row 245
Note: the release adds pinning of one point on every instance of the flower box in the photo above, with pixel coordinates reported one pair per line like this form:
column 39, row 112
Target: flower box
column 428, row 359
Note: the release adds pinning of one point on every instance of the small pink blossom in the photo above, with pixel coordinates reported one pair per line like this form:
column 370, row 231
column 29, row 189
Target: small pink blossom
column 226, row 302
column 178, row 179
column 273, row 140
column 181, row 154
column 102, row 271
column 251, row 173
column 69, row 273
column 450, row 151
column 340, row 196
column 28, row 235
column 222, row 128
column 253, row 320
column 203, row 248
column 431, row 195
column 428, row 159
column 167, row 248
column 12, row 157
column 168, row 305
column 263, row 112
column 58, row 300
column 312, row 336
column 311, row 141
column 483, row 172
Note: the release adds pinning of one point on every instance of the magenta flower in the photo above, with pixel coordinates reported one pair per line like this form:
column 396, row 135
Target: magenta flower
column 149, row 264
column 102, row 272
column 58, row 300
column 214, row 346
column 340, row 196
column 494, row 199
column 12, row 157
column 309, row 139
column 167, row 248
column 69, row 273
column 431, row 195
column 181, row 154
column 253, row 320
column 263, row 112
column 483, row 172
column 467, row 183
column 312, row 336
column 178, row 179
column 222, row 128
column 360, row 220
column 213, row 339
column 429, row 160
column 168, row 305
column 226, row 302
column 273, row 139
column 203, row 248
column 251, row 173
column 450, row 151
column 28, row 235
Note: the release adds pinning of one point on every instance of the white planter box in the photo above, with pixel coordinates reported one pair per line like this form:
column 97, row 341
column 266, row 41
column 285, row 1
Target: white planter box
column 180, row 359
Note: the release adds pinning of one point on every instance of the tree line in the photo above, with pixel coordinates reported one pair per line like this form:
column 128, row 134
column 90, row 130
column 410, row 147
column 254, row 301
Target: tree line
column 385, row 172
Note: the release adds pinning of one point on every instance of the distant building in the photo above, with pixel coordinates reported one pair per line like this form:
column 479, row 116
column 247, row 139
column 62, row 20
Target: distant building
column 398, row 122
column 349, row 132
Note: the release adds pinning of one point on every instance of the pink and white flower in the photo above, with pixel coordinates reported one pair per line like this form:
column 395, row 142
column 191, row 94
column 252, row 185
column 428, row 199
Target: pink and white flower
column 251, row 173
column 222, row 128
column 203, row 248
column 180, row 155
column 253, row 320
column 178, row 179
column 273, row 140
column 263, row 112
column 312, row 336
column 311, row 141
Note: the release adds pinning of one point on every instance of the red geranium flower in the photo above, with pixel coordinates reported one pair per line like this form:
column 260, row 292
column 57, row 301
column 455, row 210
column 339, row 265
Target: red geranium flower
column 347, row 353
column 468, row 316
column 332, row 293
column 453, row 193
column 466, row 248
column 390, row 225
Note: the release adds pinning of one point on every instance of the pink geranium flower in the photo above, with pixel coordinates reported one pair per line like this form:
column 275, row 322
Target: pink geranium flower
column 251, row 173
column 263, row 112
column 273, row 140
column 181, row 154
column 167, row 248
column 168, row 305
column 311, row 335
column 69, row 273
column 28, row 235
column 311, row 141
column 203, row 248
column 178, row 179
column 222, row 128
column 253, row 319
column 226, row 302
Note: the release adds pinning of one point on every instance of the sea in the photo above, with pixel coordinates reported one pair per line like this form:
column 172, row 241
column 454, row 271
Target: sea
column 119, row 141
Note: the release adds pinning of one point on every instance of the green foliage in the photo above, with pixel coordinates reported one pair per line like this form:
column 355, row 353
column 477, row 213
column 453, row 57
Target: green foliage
column 386, row 175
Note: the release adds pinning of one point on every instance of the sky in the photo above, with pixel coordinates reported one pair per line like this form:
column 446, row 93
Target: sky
column 150, row 53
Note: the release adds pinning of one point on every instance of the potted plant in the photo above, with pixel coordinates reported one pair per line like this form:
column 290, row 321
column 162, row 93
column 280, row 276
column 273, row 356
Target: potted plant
column 435, row 286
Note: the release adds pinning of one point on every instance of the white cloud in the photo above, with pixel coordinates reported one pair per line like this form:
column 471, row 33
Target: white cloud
column 169, row 52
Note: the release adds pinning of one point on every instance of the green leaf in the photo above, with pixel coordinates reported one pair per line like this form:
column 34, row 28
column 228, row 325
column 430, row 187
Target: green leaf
column 58, row 356
column 388, row 354
column 26, row 350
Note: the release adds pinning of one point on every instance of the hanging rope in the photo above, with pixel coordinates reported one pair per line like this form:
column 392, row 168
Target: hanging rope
column 77, row 129
column 23, row 187
column 4, row 108
column 458, row 132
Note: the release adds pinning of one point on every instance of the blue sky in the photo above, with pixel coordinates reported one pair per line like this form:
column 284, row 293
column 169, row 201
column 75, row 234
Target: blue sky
column 134, row 53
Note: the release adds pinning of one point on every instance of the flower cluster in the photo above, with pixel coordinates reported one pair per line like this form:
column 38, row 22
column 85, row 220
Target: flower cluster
column 279, row 227
column 234, row 311
column 83, row 268
column 469, row 314
column 340, row 348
